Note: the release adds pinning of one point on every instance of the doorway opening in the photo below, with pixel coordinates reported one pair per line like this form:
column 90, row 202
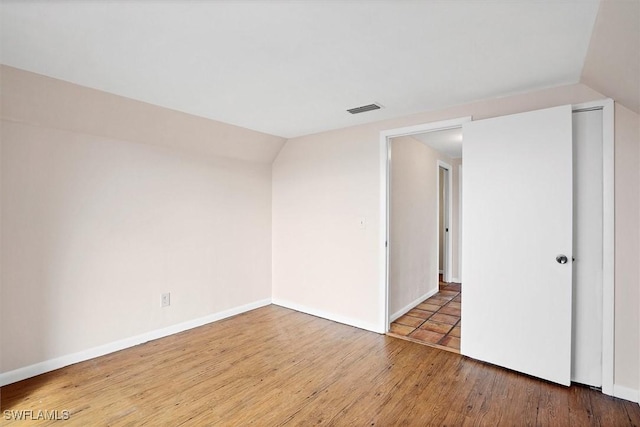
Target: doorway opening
column 424, row 218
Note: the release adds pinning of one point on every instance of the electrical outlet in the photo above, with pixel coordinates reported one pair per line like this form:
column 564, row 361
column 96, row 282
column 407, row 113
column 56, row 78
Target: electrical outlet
column 166, row 300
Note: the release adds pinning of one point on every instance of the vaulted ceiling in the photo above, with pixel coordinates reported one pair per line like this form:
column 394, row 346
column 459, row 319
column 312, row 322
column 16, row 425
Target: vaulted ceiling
column 291, row 68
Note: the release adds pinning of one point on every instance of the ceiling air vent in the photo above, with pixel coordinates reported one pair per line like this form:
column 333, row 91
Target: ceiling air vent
column 364, row 108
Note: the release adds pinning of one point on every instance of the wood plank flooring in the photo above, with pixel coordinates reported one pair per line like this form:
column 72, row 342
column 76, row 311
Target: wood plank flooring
column 274, row 366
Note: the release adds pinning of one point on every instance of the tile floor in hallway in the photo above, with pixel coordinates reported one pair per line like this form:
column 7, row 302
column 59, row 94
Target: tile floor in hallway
column 435, row 321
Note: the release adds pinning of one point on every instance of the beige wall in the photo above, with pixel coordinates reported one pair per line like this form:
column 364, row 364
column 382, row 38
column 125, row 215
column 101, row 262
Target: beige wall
column 627, row 235
column 323, row 181
column 32, row 98
column 612, row 64
column 107, row 203
column 323, row 261
column 413, row 223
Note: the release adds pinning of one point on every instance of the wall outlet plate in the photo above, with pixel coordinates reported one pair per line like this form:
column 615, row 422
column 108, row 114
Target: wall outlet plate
column 362, row 222
column 166, row 300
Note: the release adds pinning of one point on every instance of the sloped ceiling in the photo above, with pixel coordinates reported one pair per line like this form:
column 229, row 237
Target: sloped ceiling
column 291, row 68
column 612, row 65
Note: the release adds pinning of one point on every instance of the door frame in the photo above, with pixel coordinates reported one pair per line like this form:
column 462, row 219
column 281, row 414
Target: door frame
column 460, row 207
column 385, row 167
column 448, row 206
column 608, row 223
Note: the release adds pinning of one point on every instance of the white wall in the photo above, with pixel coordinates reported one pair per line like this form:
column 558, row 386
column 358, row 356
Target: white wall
column 324, row 264
column 101, row 215
column 413, row 223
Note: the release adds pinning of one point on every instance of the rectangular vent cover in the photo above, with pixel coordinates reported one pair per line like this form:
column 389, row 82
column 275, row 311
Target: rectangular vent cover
column 364, row 108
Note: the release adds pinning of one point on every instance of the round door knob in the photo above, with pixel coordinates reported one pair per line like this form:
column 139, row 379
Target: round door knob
column 562, row 259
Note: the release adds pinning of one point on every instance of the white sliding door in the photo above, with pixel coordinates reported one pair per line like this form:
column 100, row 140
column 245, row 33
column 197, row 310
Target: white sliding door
column 517, row 220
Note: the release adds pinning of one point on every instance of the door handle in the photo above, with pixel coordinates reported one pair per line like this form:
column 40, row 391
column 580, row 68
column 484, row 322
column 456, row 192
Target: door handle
column 562, row 259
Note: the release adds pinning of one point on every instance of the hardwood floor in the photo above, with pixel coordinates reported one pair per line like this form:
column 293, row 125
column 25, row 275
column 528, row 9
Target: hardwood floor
column 274, row 366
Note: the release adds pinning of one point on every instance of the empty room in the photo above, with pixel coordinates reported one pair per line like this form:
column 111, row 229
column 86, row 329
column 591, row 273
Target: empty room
column 304, row 212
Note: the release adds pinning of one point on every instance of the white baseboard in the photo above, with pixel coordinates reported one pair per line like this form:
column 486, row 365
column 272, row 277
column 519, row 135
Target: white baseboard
column 412, row 304
column 456, row 280
column 69, row 359
column 625, row 393
column 326, row 315
column 440, row 271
